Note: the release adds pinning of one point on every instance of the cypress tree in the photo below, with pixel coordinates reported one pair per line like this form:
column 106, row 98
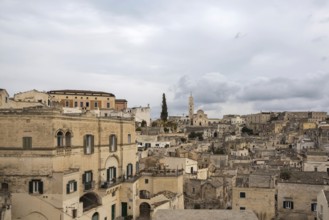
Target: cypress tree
column 164, row 111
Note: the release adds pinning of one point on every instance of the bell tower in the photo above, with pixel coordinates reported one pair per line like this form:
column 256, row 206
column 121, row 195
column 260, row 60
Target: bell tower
column 191, row 108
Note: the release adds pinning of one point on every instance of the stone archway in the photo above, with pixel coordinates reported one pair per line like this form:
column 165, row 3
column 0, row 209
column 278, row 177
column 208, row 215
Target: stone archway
column 145, row 211
column 36, row 216
column 90, row 200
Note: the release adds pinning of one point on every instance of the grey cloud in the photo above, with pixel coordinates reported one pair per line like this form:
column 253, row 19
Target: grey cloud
column 309, row 88
column 171, row 46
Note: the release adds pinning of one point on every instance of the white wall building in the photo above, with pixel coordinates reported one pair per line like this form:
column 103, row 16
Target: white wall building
column 322, row 208
column 237, row 120
column 304, row 143
column 189, row 166
column 141, row 114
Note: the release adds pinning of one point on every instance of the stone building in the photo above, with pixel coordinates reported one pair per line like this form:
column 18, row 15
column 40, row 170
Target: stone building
column 88, row 100
column 205, row 194
column 297, row 194
column 141, row 114
column 257, row 193
column 200, row 118
column 78, row 166
column 4, row 98
column 10, row 103
column 5, row 202
column 34, row 96
column 323, row 137
column 316, row 161
column 322, row 208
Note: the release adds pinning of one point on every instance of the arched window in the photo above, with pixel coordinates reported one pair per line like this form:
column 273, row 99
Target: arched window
column 68, row 139
column 129, row 170
column 59, row 137
column 95, row 216
column 88, row 142
column 113, row 143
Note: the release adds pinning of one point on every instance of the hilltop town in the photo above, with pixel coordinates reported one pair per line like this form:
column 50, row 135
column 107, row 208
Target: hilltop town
column 78, row 154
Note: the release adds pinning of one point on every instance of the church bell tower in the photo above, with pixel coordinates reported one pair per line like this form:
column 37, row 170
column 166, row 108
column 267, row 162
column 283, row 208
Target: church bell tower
column 191, row 108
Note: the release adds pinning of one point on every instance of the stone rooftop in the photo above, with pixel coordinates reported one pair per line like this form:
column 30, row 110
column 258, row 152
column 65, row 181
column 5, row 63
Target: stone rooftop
column 313, row 178
column 197, row 214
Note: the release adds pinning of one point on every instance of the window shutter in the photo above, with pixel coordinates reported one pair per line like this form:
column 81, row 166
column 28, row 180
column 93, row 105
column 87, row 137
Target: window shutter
column 84, row 178
column 92, row 144
column 41, row 187
column 68, row 188
column 115, row 143
column 108, row 174
column 284, row 204
column 115, row 172
column 29, row 142
column 110, row 144
column 85, row 144
column 75, row 186
column 91, row 176
column 292, row 205
column 30, row 187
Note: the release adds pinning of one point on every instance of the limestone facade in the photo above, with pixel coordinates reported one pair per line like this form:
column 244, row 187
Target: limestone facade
column 323, row 205
column 200, row 118
column 297, row 196
column 83, row 99
column 141, row 114
column 77, row 167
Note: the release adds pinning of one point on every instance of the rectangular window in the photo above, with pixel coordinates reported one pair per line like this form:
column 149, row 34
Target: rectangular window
column 288, row 204
column 88, row 144
column 87, row 180
column 71, row 186
column 96, row 104
column 81, row 104
column 242, row 195
column 87, row 104
column 242, row 208
column 75, row 104
column 113, row 143
column 146, row 181
column 129, row 138
column 108, row 105
column 67, row 103
column 313, row 207
column 111, row 174
column 27, row 142
column 74, row 213
column 129, row 170
column 36, row 187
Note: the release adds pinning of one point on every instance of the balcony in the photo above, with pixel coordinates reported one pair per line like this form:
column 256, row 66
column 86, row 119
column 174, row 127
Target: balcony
column 109, row 184
column 89, row 186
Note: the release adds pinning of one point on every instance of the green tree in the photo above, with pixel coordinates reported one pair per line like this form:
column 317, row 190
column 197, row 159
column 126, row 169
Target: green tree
column 164, row 111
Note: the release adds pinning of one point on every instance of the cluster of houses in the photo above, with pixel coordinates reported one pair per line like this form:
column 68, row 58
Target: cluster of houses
column 76, row 154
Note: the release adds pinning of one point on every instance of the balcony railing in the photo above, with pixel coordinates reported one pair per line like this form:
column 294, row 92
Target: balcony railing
column 109, row 184
column 89, row 185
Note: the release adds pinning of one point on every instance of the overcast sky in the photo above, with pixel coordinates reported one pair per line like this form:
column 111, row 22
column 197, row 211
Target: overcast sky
column 234, row 56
